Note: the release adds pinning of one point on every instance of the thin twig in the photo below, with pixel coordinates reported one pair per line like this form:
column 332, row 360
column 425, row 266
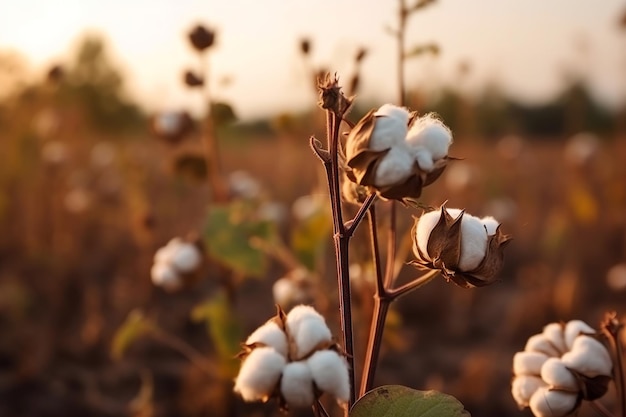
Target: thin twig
column 391, row 246
column 354, row 223
column 182, row 347
column 319, row 409
column 601, row 409
column 413, row 285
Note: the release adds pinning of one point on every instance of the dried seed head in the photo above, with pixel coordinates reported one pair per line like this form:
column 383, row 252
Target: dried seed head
column 55, row 74
column 460, row 246
column 192, row 80
column 331, row 96
column 396, row 153
column 305, row 46
column 201, row 38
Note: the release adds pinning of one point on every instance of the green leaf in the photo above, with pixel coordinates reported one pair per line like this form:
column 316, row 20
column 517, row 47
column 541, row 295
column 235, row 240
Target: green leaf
column 222, row 325
column 227, row 236
column 310, row 236
column 400, row 401
column 135, row 327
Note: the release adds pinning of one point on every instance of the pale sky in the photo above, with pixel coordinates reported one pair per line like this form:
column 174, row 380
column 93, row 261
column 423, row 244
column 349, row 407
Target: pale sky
column 523, row 44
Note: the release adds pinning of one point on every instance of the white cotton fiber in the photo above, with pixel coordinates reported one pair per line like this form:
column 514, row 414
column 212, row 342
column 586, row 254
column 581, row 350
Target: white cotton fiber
column 270, row 334
column 555, row 333
column 523, row 387
column 186, row 257
column 589, row 357
column 163, row 275
column 390, row 128
column 473, row 243
column 330, row 373
column 259, row 374
column 395, row 167
column 555, row 373
column 573, row 329
column 539, row 343
column 307, row 330
column 429, row 139
column 490, row 224
column 528, row 363
column 296, row 385
column 546, row 403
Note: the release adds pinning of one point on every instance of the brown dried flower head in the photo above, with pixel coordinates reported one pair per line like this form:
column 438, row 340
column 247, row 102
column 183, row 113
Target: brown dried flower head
column 201, row 38
column 396, row 153
column 331, row 96
column 467, row 250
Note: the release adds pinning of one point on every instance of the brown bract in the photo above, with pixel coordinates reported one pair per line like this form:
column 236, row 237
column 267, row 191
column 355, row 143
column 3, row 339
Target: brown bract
column 444, row 253
column 363, row 163
column 201, row 38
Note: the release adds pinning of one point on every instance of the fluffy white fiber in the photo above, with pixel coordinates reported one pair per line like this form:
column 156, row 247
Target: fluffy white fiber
column 575, row 328
column 390, row 127
column 555, row 333
column 330, row 373
column 306, row 329
column 296, row 385
column 546, row 403
column 272, row 335
column 556, row 375
column 589, row 357
column 491, row 225
column 523, row 387
column 163, row 275
column 429, row 140
column 259, row 374
column 528, row 363
column 539, row 343
column 394, row 168
column 186, row 257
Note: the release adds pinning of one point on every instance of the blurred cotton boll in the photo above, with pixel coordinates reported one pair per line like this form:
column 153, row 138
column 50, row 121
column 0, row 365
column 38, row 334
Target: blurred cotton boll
column 581, row 148
column 459, row 176
column 165, row 276
column 272, row 211
column 102, row 155
column 243, row 185
column 306, row 206
column 292, row 289
column 616, row 277
column 54, row 153
column 173, row 262
column 510, row 147
column 502, row 208
column 171, row 126
column 77, row 200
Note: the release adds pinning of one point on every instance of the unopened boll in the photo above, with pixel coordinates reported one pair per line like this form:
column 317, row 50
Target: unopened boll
column 307, row 330
column 259, row 374
column 330, row 373
column 296, row 385
column 270, row 334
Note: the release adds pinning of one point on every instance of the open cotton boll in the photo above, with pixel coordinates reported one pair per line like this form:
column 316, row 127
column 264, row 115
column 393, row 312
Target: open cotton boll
column 589, row 357
column 491, row 225
column 186, row 257
column 394, row 168
column 555, row 333
column 259, row 374
column 272, row 335
column 555, row 373
column 390, row 127
column 575, row 328
column 296, row 385
column 330, row 373
column 300, row 313
column 523, row 387
column 164, row 254
column 430, row 134
column 539, row 343
column 528, row 363
column 163, row 275
column 473, row 243
column 307, row 329
column 546, row 403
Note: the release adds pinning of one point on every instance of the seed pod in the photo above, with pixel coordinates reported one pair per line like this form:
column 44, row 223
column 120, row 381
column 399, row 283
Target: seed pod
column 201, row 38
column 459, row 247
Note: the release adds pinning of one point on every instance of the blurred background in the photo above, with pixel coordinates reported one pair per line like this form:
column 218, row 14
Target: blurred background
column 103, row 111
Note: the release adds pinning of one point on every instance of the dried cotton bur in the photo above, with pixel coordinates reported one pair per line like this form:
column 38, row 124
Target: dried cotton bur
column 466, row 249
column 293, row 358
column 560, row 367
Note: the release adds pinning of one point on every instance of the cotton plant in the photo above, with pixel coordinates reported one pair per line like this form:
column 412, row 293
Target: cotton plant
column 293, row 358
column 566, row 364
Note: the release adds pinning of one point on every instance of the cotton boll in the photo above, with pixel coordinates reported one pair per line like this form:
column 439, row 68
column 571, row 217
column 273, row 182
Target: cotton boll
column 523, row 387
column 307, row 329
column 430, row 134
column 272, row 335
column 163, row 275
column 259, row 374
column 539, row 343
column 473, row 243
column 330, row 373
column 528, row 363
column 555, row 373
column 547, row 403
column 555, row 333
column 573, row 329
column 164, row 254
column 394, row 168
column 589, row 357
column 490, row 224
column 187, row 257
column 390, row 127
column 296, row 385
